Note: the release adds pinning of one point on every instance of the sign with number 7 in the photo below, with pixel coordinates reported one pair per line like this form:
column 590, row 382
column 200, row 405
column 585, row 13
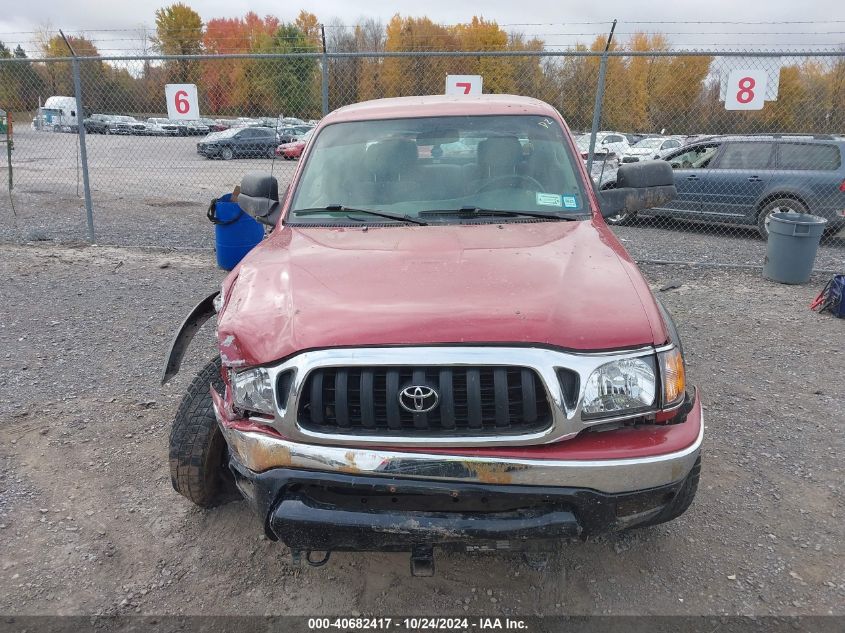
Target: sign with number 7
column 746, row 90
column 463, row 84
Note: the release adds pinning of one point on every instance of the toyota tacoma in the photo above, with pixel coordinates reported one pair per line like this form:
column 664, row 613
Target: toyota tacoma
column 440, row 344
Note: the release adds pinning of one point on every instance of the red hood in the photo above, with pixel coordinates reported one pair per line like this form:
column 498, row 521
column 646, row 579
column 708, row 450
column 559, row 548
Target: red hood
column 562, row 284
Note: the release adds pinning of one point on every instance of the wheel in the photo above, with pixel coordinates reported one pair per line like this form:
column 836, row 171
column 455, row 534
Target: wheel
column 57, row 128
column 681, row 502
column 198, row 452
column 226, row 153
column 775, row 206
column 106, row 131
column 271, row 152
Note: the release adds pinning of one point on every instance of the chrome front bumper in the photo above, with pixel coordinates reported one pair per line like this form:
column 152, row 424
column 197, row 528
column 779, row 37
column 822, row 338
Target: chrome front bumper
column 260, row 452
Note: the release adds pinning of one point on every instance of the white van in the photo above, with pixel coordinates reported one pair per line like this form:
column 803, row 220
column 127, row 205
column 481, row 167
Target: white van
column 58, row 114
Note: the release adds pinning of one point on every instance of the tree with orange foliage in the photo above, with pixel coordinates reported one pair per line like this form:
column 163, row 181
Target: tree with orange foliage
column 226, row 81
column 417, row 75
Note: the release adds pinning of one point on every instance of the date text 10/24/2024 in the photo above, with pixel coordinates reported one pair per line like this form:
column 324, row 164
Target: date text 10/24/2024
column 418, row 624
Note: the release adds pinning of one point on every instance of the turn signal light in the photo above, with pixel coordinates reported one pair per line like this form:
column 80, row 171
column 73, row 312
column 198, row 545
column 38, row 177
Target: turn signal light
column 673, row 376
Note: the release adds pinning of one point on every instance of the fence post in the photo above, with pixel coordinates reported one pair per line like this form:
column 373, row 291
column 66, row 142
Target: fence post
column 9, row 148
column 80, row 129
column 599, row 100
column 325, row 73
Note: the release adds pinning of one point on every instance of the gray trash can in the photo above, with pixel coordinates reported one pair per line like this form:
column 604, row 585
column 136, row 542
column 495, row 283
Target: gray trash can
column 792, row 245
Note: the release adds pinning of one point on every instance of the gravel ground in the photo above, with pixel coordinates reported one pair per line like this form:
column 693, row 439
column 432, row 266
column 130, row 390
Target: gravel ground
column 150, row 191
column 89, row 522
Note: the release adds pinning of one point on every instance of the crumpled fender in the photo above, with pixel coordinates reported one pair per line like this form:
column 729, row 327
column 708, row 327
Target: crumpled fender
column 201, row 313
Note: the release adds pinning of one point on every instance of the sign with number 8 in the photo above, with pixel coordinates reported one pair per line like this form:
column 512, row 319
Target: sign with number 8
column 182, row 101
column 746, row 90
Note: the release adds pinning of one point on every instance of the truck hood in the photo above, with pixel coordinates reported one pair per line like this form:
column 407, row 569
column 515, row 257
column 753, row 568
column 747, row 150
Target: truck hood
column 560, row 284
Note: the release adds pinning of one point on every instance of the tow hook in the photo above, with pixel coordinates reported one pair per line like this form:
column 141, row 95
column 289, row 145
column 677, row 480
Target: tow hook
column 296, row 556
column 422, row 560
column 317, row 563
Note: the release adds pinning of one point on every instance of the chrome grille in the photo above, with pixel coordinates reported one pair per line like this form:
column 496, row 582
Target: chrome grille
column 470, row 401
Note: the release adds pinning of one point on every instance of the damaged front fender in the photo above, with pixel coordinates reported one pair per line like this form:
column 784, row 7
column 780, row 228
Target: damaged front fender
column 203, row 311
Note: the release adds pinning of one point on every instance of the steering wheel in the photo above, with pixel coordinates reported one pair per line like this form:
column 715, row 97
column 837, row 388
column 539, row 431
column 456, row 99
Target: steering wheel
column 536, row 186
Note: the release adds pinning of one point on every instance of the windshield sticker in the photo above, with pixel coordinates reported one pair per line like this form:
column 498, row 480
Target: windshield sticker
column 549, row 199
column 570, row 202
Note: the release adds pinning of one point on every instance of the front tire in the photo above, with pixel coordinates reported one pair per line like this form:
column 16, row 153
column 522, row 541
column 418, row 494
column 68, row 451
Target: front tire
column 226, row 153
column 198, row 452
column 776, row 206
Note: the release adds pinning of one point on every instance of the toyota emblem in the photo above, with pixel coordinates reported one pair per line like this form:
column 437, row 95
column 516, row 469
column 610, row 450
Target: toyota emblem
column 418, row 398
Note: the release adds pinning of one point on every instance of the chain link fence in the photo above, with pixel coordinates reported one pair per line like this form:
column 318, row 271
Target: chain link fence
column 747, row 134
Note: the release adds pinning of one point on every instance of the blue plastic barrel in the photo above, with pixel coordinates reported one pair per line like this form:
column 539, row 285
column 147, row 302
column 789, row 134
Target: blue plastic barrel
column 235, row 233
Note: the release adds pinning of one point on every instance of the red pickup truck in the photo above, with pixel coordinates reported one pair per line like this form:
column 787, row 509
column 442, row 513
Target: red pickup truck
column 440, row 344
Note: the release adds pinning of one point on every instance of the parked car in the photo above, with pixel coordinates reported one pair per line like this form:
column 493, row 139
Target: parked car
column 158, row 129
column 294, row 149
column 428, row 353
column 604, row 171
column 250, row 142
column 651, row 148
column 121, row 124
column 213, row 126
column 291, row 134
column 97, row 124
column 606, row 142
column 197, row 128
column 743, row 180
column 170, row 127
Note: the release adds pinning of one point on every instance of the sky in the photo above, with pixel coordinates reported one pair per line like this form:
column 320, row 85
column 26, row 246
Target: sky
column 118, row 26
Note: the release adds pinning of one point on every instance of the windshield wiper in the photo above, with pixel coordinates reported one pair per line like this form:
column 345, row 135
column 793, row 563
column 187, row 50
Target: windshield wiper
column 479, row 212
column 341, row 208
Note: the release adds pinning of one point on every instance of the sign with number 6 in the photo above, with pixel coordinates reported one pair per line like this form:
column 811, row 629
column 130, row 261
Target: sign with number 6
column 463, row 84
column 746, row 90
column 182, row 101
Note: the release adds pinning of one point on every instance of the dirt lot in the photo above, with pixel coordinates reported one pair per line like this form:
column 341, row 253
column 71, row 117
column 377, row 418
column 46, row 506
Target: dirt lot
column 90, row 524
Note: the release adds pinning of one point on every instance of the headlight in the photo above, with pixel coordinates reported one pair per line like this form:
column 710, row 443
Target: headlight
column 620, row 387
column 252, row 390
column 673, row 376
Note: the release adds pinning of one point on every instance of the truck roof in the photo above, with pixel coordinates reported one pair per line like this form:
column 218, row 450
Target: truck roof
column 441, row 105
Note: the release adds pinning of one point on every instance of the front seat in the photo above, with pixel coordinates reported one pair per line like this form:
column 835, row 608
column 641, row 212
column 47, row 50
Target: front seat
column 390, row 168
column 499, row 156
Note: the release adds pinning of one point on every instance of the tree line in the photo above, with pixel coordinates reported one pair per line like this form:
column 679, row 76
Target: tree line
column 675, row 94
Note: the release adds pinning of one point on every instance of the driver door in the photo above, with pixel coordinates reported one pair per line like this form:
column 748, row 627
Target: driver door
column 689, row 167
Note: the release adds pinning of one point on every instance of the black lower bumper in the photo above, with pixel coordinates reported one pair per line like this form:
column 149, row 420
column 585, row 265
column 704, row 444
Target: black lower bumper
column 328, row 511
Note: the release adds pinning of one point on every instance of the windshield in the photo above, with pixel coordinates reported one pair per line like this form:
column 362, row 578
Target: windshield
column 410, row 167
column 649, row 143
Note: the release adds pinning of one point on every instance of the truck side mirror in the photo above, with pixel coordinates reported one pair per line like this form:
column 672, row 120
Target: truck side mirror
column 640, row 185
column 259, row 197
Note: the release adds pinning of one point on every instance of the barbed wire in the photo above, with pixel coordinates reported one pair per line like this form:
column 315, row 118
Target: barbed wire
column 152, row 29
